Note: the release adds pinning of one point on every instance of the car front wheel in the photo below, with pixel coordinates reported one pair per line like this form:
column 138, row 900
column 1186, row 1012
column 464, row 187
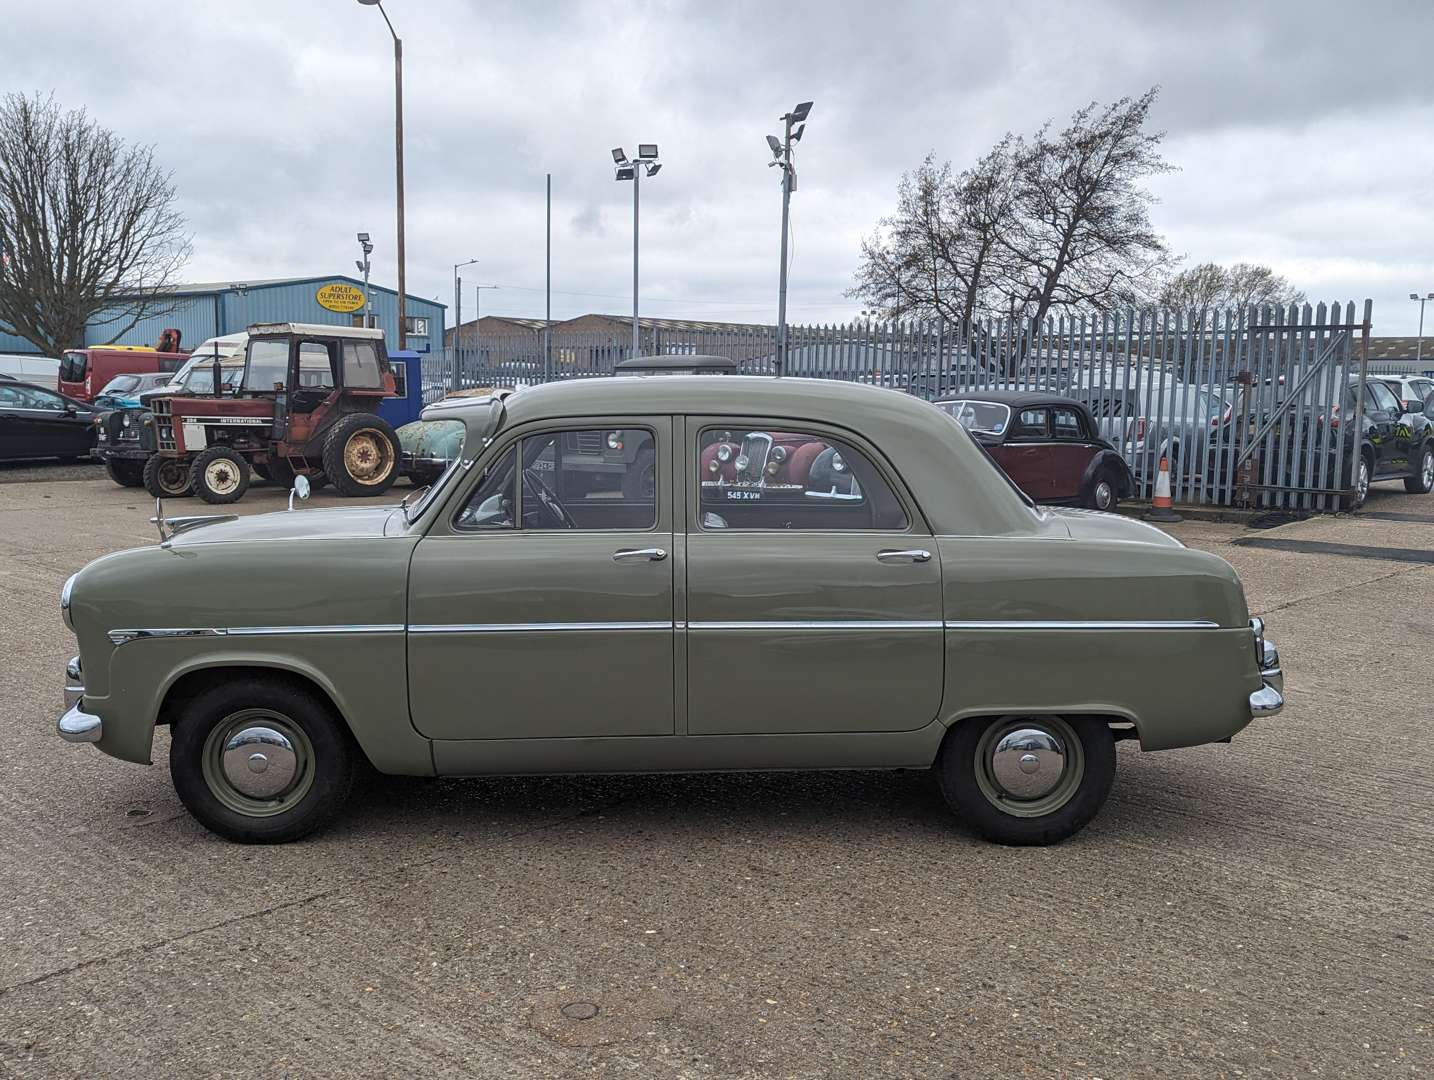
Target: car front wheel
column 1027, row 780
column 261, row 761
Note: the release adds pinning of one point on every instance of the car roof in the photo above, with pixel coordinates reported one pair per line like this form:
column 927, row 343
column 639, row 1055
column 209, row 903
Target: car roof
column 1016, row 399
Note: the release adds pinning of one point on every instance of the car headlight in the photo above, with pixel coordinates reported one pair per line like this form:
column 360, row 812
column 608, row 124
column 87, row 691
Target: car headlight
column 125, row 420
column 614, row 440
column 779, row 454
column 713, row 465
column 65, row 601
column 724, row 453
column 838, row 465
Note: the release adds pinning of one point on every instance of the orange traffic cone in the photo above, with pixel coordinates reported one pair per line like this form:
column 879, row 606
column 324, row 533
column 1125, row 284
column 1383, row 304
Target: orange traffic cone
column 1161, row 506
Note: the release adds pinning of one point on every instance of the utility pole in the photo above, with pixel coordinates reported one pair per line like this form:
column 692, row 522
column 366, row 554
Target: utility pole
column 363, row 265
column 1419, row 345
column 398, row 163
column 458, row 324
column 782, row 155
column 548, row 290
column 478, row 321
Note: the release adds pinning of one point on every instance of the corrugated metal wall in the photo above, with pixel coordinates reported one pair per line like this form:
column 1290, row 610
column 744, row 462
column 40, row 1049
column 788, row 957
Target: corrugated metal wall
column 204, row 315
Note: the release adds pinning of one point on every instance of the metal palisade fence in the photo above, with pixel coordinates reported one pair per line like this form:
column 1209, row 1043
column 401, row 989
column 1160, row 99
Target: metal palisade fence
column 1250, row 407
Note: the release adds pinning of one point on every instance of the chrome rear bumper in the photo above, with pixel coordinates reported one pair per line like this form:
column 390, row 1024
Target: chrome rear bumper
column 1269, row 699
column 76, row 725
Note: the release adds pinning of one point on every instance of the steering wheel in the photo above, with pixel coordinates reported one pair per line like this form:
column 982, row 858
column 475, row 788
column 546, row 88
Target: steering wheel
column 549, row 506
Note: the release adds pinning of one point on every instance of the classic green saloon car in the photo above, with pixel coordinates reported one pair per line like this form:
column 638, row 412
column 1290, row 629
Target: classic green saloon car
column 823, row 576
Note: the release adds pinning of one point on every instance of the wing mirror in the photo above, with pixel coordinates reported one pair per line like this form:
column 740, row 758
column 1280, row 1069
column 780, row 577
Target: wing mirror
column 301, row 488
column 1416, row 407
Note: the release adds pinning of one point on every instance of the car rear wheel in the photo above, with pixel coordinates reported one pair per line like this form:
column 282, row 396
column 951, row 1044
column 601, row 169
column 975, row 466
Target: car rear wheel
column 1027, row 780
column 166, row 477
column 1102, row 492
column 125, row 473
column 1422, row 482
column 220, row 475
column 261, row 761
column 361, row 455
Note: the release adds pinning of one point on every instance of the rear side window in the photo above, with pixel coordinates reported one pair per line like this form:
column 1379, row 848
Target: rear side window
column 361, row 370
column 766, row 479
column 1030, row 424
column 1067, row 424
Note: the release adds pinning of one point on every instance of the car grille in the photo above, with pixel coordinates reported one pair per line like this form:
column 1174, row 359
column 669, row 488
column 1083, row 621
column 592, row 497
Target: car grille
column 163, row 424
column 584, row 442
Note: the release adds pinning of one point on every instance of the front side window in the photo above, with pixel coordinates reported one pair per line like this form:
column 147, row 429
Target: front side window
column 1067, row 424
column 316, row 370
column 268, row 365
column 765, row 479
column 1382, row 398
column 595, row 478
column 361, row 371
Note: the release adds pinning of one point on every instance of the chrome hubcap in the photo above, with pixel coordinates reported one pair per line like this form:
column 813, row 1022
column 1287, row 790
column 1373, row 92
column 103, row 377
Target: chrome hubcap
column 1363, row 482
column 1029, row 766
column 258, row 762
column 1427, row 473
column 1102, row 495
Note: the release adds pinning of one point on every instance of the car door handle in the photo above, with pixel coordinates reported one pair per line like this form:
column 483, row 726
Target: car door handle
column 904, row 555
column 639, row 555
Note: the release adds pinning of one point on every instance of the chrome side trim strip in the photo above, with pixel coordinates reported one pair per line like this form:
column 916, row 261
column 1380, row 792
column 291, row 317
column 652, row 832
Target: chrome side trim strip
column 1081, row 624
column 522, row 628
column 833, row 624
column 357, row 628
column 119, row 637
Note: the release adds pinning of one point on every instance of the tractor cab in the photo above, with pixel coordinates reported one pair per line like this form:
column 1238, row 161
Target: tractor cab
column 306, row 405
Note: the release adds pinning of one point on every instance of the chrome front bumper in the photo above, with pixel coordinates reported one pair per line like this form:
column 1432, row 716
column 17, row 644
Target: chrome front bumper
column 77, row 725
column 1269, row 699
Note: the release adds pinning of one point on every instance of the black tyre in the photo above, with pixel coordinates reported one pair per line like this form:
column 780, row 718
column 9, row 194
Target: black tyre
column 125, row 473
column 361, row 455
column 219, row 475
column 1103, row 492
column 261, row 761
column 166, row 477
column 640, row 481
column 1027, row 780
column 261, row 471
column 1422, row 482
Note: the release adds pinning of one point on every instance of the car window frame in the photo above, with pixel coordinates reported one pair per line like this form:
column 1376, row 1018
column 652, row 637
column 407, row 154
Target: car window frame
column 694, row 425
column 1373, row 387
column 1082, row 433
column 1012, row 437
column 507, row 440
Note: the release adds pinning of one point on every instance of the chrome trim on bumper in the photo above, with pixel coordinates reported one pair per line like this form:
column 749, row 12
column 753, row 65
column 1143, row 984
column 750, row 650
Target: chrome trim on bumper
column 1269, row 699
column 74, row 683
column 1266, row 701
column 79, row 726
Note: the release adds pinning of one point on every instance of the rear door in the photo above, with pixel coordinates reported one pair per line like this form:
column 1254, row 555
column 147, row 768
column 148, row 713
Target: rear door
column 813, row 585
column 1391, row 435
column 1025, row 453
column 1071, row 449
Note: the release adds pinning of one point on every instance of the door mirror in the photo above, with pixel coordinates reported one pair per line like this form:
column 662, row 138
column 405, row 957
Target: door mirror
column 70, row 410
column 1415, row 408
column 301, row 489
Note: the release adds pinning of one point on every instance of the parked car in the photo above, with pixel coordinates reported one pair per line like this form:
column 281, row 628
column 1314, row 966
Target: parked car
column 125, row 436
column 41, row 371
column 1178, row 421
column 429, row 447
column 38, row 423
column 1408, row 388
column 900, row 606
column 123, row 391
column 1047, row 444
column 84, row 372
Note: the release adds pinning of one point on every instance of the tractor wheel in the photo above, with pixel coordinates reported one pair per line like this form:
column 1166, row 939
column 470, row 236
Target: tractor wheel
column 125, row 473
column 166, row 477
column 219, row 475
column 361, row 455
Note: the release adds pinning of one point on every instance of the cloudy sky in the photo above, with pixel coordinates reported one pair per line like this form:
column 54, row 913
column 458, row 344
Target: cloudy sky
column 1303, row 132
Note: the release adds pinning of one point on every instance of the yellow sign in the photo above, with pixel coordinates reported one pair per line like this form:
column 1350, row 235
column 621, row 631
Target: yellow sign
column 339, row 297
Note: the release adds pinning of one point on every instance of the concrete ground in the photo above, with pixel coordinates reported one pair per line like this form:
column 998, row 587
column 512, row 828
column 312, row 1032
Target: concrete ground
column 1264, row 908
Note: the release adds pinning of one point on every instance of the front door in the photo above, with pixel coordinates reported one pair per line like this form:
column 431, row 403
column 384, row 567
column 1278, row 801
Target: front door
column 541, row 606
column 1069, row 454
column 813, row 585
column 1391, row 435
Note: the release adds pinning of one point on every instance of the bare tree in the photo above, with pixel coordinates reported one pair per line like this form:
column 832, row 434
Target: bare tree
column 935, row 256
column 1083, row 239
column 88, row 230
column 1211, row 287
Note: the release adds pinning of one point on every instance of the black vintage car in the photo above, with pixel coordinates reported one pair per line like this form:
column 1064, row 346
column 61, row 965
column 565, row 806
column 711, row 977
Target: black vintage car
column 1048, row 445
column 40, row 423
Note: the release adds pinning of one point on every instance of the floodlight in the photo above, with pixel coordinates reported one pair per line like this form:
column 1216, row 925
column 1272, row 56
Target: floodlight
column 797, row 135
column 800, row 112
column 1414, row 296
column 652, row 169
column 363, row 238
column 647, row 151
column 625, row 172
column 775, row 145
column 359, row 265
column 619, row 154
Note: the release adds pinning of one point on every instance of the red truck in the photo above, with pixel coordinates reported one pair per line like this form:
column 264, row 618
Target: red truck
column 85, row 372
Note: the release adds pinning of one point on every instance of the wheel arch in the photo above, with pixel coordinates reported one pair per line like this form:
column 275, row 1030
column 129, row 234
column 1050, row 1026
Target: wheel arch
column 1123, row 723
column 1109, row 459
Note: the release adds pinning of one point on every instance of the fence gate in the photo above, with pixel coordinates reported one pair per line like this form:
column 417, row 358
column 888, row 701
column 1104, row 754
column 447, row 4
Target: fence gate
column 1252, row 407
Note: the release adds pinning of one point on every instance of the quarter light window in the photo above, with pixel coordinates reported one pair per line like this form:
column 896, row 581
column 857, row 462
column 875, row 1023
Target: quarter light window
column 762, row 479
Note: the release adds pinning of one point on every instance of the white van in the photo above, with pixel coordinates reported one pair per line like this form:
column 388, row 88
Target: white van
column 35, row 370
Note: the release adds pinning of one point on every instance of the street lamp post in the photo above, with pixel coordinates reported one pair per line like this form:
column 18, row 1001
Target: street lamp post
column 364, row 265
column 458, row 324
column 1419, row 345
column 398, row 163
column 782, row 158
column 478, row 320
column 647, row 162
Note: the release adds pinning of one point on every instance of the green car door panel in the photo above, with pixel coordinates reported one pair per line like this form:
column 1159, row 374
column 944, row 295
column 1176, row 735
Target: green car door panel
column 677, row 572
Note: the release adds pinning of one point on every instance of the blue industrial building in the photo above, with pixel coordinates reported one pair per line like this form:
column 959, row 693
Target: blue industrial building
column 226, row 307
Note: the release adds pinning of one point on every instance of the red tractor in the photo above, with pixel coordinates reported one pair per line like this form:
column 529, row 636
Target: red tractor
column 305, row 406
